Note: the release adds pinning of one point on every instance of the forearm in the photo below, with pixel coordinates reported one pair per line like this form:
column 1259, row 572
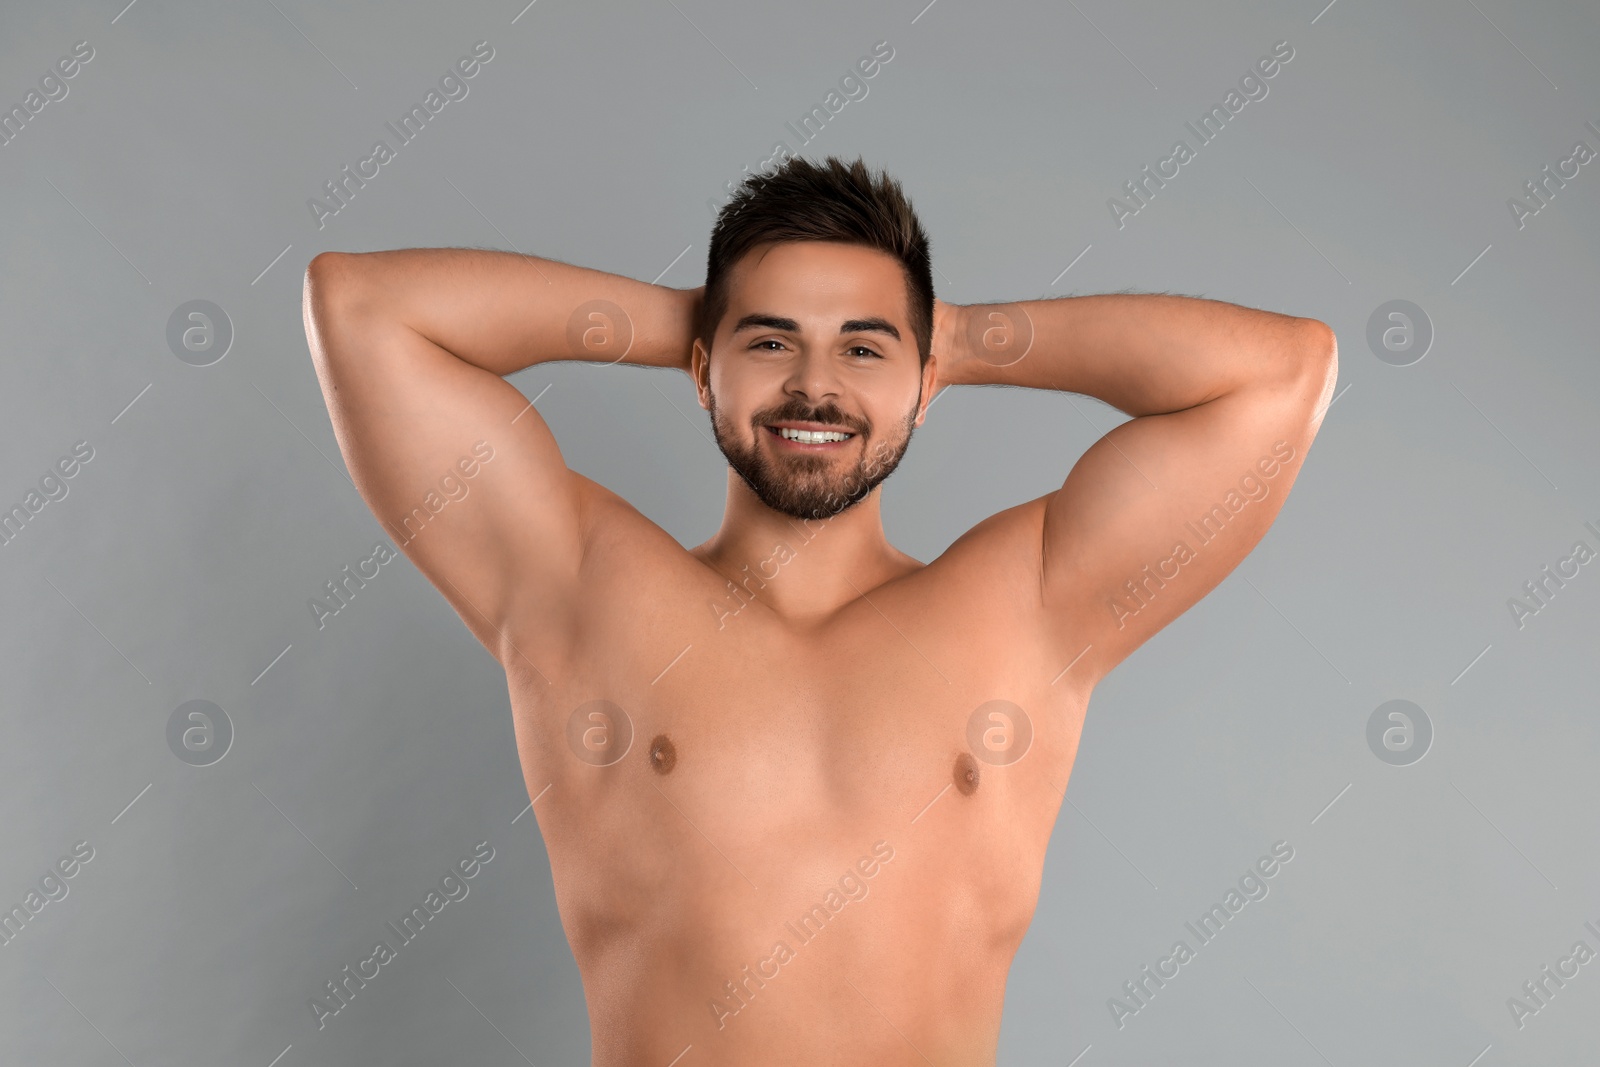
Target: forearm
column 503, row 311
column 1144, row 354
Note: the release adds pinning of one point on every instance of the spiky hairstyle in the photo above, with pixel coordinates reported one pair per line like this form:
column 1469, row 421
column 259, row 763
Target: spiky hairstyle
column 830, row 201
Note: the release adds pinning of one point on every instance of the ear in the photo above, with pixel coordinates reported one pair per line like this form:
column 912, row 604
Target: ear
column 931, row 387
column 700, row 371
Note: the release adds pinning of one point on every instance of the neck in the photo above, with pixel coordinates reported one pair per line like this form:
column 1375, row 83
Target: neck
column 802, row 569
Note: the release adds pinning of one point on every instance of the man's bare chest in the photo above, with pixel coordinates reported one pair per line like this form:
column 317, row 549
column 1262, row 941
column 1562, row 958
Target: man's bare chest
column 699, row 772
column 905, row 701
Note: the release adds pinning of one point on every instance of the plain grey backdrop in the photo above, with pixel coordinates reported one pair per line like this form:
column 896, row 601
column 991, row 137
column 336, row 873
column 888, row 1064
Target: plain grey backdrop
column 369, row 754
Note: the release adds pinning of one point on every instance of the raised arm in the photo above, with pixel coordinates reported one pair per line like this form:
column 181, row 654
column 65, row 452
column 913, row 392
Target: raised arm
column 1157, row 512
column 411, row 347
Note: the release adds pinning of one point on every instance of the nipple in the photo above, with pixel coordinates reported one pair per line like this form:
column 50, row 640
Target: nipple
column 663, row 755
column 966, row 774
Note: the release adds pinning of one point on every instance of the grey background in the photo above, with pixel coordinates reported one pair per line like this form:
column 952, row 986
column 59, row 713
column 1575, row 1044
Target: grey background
column 376, row 752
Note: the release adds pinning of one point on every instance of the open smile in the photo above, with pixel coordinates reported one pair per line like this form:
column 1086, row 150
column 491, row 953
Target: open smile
column 808, row 440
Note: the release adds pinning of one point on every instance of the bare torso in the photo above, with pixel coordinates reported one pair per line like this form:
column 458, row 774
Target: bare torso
column 790, row 844
column 803, row 823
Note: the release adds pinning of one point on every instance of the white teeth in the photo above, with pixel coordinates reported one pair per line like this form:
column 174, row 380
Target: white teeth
column 812, row 437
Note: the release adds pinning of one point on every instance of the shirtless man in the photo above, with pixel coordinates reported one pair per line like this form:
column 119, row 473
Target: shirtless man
column 797, row 786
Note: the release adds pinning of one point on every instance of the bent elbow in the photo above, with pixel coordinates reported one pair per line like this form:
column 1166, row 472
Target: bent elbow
column 322, row 264
column 326, row 271
column 1322, row 342
column 331, row 289
column 1320, row 364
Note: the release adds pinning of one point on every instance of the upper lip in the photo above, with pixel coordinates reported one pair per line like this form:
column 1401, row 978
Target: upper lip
column 815, row 427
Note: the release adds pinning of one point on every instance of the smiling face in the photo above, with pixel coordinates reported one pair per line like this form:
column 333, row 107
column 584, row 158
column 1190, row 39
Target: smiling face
column 816, row 340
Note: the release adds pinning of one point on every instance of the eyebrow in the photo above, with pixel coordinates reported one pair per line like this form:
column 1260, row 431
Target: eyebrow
column 777, row 322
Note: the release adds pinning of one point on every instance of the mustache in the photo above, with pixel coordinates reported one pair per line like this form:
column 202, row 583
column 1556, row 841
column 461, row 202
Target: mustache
column 800, row 413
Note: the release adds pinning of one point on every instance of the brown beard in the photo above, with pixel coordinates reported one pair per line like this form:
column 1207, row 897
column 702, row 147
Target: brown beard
column 802, row 486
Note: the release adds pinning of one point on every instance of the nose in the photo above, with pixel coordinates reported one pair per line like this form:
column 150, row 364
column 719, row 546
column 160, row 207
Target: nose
column 813, row 378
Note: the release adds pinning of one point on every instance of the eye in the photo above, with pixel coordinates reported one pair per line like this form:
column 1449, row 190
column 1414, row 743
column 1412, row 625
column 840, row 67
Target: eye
column 768, row 341
column 864, row 348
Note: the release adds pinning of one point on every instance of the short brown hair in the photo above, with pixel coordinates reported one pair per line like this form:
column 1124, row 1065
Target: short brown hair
column 831, row 201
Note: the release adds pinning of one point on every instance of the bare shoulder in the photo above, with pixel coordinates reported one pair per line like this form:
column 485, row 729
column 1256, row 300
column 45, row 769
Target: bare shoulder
column 616, row 534
column 1001, row 553
column 633, row 574
column 628, row 563
column 989, row 577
